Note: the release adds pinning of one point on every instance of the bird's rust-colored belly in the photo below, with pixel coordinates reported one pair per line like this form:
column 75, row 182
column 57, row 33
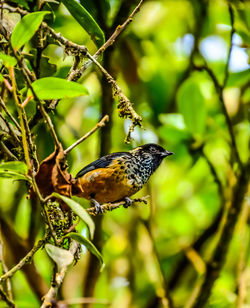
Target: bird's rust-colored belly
column 106, row 185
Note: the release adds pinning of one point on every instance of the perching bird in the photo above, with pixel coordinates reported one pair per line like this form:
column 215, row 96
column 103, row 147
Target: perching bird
column 118, row 176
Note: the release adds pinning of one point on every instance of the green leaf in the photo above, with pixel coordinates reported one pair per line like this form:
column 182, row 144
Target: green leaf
column 86, row 21
column 88, row 244
column 238, row 79
column 1, row 77
column 60, row 256
column 26, row 28
column 15, row 170
column 57, row 88
column 8, row 60
column 191, row 105
column 80, row 211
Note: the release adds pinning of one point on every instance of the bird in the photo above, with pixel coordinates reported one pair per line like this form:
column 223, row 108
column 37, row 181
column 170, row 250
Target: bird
column 119, row 175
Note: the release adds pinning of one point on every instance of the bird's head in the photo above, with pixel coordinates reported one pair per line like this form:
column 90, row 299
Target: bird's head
column 152, row 154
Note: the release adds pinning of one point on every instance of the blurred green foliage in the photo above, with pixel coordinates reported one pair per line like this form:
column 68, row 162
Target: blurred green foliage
column 182, row 112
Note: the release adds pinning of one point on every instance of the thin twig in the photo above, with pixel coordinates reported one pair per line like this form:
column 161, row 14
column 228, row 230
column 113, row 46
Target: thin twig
column 11, row 130
column 7, row 286
column 125, row 107
column 8, row 152
column 21, row 116
column 119, row 29
column 9, row 114
column 112, row 206
column 51, row 295
column 231, row 14
column 40, row 105
column 100, row 124
column 215, row 264
column 5, row 298
column 166, row 299
column 24, row 260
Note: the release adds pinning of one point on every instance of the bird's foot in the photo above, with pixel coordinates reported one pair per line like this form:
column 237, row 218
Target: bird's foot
column 128, row 202
column 97, row 205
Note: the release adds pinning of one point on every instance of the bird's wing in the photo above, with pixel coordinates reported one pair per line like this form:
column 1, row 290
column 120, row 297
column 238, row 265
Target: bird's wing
column 102, row 162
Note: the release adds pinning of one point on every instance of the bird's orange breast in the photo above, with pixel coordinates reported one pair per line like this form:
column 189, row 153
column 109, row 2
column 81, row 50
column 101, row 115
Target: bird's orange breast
column 106, row 184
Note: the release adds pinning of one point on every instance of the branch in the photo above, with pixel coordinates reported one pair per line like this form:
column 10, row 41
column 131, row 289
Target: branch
column 24, row 260
column 9, row 114
column 102, row 123
column 216, row 263
column 165, row 297
column 5, row 298
column 219, row 88
column 125, row 107
column 7, row 151
column 112, row 206
column 108, row 43
column 50, row 297
column 11, row 130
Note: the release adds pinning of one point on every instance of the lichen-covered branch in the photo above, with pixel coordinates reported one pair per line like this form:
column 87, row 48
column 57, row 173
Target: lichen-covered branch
column 112, row 206
column 125, row 107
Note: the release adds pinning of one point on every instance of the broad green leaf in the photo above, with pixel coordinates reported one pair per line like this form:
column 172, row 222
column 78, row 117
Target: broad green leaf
column 191, row 105
column 60, row 256
column 1, row 77
column 15, row 170
column 80, row 211
column 57, row 88
column 26, row 28
column 92, row 7
column 238, row 79
column 22, row 3
column 88, row 244
column 86, row 21
column 8, row 60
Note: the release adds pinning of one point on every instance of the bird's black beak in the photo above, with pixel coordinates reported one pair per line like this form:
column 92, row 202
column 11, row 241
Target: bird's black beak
column 166, row 153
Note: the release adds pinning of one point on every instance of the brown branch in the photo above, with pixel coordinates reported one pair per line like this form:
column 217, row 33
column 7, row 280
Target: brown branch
column 19, row 248
column 5, row 298
column 50, row 297
column 112, row 206
column 7, row 151
column 9, row 114
column 219, row 88
column 7, row 285
column 216, row 263
column 165, row 298
column 100, row 124
column 125, row 107
column 119, row 29
column 11, row 130
column 24, row 260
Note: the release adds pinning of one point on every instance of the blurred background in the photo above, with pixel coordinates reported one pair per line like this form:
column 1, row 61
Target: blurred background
column 163, row 245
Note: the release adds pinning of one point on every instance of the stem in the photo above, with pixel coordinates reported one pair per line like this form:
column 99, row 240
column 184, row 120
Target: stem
column 102, row 123
column 24, row 260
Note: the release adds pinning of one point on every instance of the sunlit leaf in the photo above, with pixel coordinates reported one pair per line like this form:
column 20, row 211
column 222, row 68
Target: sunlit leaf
column 57, row 88
column 8, row 60
column 238, row 79
column 86, row 21
column 14, row 170
column 60, row 256
column 191, row 105
column 88, row 244
column 26, row 28
column 80, row 211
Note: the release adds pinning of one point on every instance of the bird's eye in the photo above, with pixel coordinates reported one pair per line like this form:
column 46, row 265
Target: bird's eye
column 153, row 150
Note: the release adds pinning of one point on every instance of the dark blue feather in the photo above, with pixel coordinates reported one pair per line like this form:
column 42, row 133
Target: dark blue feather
column 102, row 162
